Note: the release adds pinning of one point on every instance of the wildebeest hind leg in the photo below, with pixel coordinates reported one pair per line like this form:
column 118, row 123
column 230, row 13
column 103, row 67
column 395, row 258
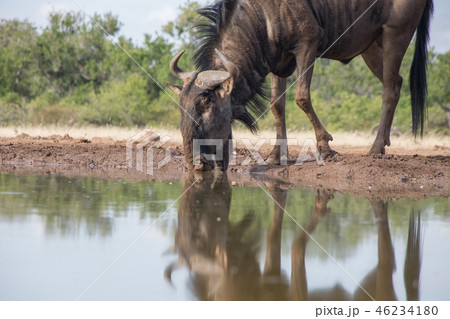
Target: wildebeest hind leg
column 305, row 66
column 277, row 105
column 373, row 57
column 394, row 45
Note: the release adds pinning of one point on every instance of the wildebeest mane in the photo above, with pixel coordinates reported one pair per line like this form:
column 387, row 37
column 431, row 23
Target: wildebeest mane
column 218, row 17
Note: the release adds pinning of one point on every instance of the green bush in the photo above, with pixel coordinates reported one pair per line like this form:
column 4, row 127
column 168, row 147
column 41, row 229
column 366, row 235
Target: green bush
column 49, row 109
column 11, row 111
column 121, row 103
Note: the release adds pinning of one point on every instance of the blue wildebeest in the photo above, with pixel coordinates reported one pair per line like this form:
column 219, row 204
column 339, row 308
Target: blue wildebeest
column 245, row 40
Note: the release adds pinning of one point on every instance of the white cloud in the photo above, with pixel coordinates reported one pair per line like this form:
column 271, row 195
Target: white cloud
column 163, row 14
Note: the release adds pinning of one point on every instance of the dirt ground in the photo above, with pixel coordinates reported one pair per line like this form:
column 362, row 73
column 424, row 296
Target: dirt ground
column 414, row 172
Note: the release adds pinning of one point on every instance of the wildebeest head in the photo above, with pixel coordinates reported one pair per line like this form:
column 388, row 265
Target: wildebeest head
column 206, row 113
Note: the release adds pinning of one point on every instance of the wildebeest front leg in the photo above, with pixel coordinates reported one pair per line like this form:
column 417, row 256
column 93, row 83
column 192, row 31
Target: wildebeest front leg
column 277, row 105
column 305, row 66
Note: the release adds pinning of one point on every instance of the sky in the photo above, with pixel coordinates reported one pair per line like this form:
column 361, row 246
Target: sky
column 140, row 17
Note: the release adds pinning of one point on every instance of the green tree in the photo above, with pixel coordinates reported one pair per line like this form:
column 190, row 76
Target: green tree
column 439, row 88
column 19, row 72
column 73, row 52
column 181, row 30
column 72, row 72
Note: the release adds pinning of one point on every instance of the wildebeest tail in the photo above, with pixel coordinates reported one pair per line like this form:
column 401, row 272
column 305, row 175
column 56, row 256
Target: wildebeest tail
column 418, row 72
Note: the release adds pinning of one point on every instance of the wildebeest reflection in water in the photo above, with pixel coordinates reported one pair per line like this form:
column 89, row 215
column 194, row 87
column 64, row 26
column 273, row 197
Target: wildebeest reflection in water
column 224, row 266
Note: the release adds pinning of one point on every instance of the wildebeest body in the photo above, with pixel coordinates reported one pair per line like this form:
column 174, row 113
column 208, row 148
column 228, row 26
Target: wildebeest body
column 278, row 36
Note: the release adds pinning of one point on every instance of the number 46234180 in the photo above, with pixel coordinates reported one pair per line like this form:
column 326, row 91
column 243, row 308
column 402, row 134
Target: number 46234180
column 404, row 311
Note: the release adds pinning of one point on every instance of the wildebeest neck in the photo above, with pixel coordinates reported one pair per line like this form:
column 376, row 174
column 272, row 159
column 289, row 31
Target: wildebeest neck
column 235, row 29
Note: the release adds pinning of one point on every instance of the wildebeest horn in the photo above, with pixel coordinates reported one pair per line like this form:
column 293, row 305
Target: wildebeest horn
column 176, row 70
column 211, row 79
column 229, row 66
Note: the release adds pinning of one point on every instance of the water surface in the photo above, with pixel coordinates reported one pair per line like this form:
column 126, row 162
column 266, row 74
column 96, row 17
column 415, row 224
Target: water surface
column 203, row 239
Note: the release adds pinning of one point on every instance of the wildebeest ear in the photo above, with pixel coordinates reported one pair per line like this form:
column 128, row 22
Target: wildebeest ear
column 226, row 87
column 175, row 88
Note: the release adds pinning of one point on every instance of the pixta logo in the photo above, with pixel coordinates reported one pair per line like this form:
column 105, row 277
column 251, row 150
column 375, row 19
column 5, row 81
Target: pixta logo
column 140, row 151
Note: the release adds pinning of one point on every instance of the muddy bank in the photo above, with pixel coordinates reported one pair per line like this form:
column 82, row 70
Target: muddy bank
column 401, row 173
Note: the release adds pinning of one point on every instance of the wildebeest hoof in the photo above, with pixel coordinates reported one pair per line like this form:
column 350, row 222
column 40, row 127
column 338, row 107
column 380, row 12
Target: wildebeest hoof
column 221, row 166
column 277, row 157
column 377, row 149
column 273, row 160
column 202, row 167
column 327, row 152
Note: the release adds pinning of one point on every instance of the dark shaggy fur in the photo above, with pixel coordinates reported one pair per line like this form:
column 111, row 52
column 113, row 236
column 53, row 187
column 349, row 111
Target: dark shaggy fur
column 219, row 15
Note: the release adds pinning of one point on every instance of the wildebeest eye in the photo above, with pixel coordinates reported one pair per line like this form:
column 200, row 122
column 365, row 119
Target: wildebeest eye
column 205, row 99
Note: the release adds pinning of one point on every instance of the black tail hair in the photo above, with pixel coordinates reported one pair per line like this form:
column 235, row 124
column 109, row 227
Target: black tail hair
column 418, row 72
